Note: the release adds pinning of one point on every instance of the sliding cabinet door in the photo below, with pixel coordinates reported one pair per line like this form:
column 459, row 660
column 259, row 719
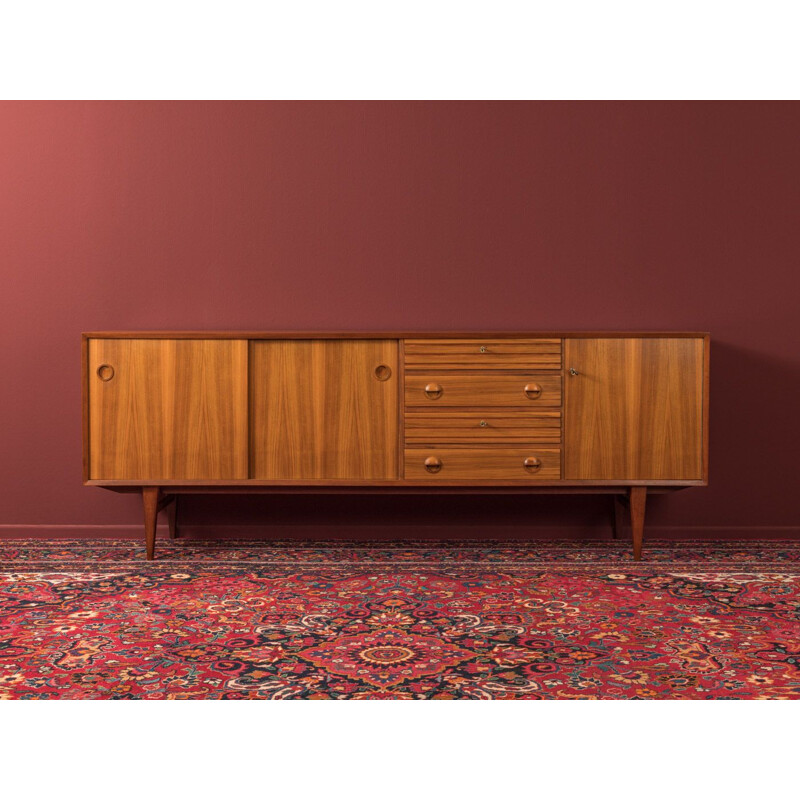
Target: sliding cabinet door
column 324, row 409
column 167, row 409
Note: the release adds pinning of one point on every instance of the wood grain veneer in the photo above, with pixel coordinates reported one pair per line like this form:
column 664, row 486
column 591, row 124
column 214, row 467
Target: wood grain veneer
column 475, row 335
column 635, row 409
column 486, row 427
column 482, row 463
column 319, row 410
column 482, row 354
column 169, row 409
column 482, row 389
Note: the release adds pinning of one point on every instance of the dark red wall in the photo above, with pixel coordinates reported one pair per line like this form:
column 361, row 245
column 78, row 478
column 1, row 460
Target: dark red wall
column 402, row 216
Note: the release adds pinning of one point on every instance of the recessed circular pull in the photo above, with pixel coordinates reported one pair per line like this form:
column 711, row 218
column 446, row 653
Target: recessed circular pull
column 532, row 464
column 383, row 372
column 433, row 464
column 433, row 391
column 532, row 391
column 105, row 372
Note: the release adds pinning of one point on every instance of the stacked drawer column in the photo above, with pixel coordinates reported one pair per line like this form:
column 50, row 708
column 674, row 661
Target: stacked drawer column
column 483, row 410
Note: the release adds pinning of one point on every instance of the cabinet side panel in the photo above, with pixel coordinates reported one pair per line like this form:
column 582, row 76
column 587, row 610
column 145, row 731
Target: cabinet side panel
column 706, row 389
column 85, row 406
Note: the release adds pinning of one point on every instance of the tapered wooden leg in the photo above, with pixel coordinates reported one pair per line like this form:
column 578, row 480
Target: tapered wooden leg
column 638, row 496
column 617, row 517
column 172, row 517
column 150, row 503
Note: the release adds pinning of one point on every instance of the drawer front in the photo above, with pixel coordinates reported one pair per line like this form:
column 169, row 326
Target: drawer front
column 482, row 463
column 524, row 427
column 522, row 390
column 508, row 354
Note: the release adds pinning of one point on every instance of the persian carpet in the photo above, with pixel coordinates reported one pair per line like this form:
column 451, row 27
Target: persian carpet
column 471, row 620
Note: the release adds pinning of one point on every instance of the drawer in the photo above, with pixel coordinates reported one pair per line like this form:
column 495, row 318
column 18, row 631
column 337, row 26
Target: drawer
column 523, row 427
column 508, row 354
column 482, row 463
column 522, row 389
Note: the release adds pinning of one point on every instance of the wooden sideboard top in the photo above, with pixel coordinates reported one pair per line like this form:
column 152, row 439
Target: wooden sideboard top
column 423, row 334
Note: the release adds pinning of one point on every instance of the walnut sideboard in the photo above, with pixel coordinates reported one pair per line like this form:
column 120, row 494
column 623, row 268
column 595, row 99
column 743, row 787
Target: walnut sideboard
column 173, row 413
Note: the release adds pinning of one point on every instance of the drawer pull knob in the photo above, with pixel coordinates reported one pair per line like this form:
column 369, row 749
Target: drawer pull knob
column 433, row 464
column 105, row 372
column 484, row 423
column 573, row 371
column 484, row 348
column 433, row 391
column 532, row 464
column 532, row 391
column 383, row 372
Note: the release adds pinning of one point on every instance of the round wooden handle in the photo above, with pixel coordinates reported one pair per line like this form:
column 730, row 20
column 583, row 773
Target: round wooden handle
column 433, row 464
column 383, row 372
column 532, row 464
column 433, row 391
column 105, row 372
column 532, row 391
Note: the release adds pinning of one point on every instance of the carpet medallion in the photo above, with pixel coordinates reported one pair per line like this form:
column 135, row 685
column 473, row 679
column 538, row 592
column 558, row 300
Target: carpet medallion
column 234, row 620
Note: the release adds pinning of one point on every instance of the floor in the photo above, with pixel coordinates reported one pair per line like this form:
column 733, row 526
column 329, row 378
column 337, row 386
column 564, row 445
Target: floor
column 478, row 620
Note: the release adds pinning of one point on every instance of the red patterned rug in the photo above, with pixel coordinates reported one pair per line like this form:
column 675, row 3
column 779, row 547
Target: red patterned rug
column 233, row 620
